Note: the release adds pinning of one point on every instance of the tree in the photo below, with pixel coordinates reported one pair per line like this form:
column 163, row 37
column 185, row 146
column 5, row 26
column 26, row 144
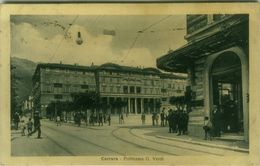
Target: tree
column 178, row 101
column 14, row 96
column 119, row 104
column 158, row 105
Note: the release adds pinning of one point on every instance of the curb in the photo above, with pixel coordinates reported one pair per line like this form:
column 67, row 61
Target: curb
column 206, row 144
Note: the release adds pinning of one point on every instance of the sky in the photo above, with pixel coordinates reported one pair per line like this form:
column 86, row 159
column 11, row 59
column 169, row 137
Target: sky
column 132, row 41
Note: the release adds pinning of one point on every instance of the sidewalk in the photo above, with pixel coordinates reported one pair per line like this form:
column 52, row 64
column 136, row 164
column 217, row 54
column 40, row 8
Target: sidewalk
column 235, row 145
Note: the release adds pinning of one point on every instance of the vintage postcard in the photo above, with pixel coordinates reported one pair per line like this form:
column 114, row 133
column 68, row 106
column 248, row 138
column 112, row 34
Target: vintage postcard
column 156, row 84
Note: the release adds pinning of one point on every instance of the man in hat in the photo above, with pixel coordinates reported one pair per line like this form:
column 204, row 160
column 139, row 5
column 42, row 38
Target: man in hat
column 37, row 124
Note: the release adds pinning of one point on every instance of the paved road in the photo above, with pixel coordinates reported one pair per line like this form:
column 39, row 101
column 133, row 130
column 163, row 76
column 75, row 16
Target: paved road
column 69, row 140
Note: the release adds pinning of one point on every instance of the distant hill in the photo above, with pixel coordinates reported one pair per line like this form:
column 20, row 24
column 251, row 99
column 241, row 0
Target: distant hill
column 24, row 70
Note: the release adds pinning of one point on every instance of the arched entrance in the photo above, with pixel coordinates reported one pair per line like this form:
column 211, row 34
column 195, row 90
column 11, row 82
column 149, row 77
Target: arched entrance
column 226, row 76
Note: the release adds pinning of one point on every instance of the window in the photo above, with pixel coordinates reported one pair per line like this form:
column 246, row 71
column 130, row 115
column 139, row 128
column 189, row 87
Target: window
column 163, row 90
column 169, row 85
column 118, row 89
column 104, row 88
column 103, row 79
column 58, row 96
column 125, row 89
column 111, row 89
column 138, row 89
column 84, row 86
column 132, row 89
column 57, row 85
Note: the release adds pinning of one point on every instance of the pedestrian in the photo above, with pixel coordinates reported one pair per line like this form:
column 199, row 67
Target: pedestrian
column 143, row 118
column 181, row 123
column 186, row 121
column 23, row 127
column 162, row 115
column 207, row 128
column 216, row 121
column 37, row 124
column 16, row 120
column 174, row 121
column 105, row 118
column 153, row 118
column 58, row 121
column 122, row 118
column 109, row 120
column 170, row 120
column 29, row 126
column 157, row 119
column 78, row 115
column 100, row 119
column 166, row 118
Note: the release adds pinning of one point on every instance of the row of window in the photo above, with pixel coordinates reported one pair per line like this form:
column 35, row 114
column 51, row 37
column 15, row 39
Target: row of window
column 60, row 88
column 136, row 90
column 146, row 82
column 69, row 71
column 69, row 80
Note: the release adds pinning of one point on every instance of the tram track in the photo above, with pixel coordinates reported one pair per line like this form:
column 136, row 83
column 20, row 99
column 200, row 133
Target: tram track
column 59, row 145
column 84, row 140
column 138, row 145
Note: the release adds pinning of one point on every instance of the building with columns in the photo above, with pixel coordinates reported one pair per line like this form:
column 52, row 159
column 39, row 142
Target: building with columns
column 216, row 59
column 142, row 90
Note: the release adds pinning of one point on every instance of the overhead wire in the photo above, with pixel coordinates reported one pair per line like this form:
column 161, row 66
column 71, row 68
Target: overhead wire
column 142, row 31
column 59, row 44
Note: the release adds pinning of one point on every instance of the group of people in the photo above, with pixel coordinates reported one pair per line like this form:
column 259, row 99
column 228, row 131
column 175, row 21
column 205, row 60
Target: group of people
column 31, row 126
column 178, row 122
column 99, row 118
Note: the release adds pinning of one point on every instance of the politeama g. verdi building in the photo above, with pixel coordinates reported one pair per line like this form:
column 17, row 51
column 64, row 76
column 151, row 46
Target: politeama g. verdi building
column 216, row 59
column 141, row 88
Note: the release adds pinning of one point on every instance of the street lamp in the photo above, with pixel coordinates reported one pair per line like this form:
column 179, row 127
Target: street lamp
column 79, row 40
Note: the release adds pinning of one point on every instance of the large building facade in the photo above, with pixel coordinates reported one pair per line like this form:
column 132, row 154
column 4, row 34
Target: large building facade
column 216, row 61
column 143, row 90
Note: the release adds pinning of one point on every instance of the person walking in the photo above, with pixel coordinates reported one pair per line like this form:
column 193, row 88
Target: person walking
column 109, row 120
column 37, row 125
column 16, row 120
column 162, row 116
column 100, row 119
column 153, row 118
column 170, row 120
column 157, row 119
column 58, row 121
column 216, row 121
column 143, row 118
column 174, row 121
column 186, row 121
column 29, row 126
column 23, row 127
column 122, row 118
column 181, row 123
column 207, row 128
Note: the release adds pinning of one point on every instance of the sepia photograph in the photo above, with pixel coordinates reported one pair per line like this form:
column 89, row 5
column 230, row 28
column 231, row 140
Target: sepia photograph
column 129, row 87
column 151, row 96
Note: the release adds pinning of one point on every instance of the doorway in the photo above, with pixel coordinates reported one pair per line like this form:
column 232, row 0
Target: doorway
column 227, row 92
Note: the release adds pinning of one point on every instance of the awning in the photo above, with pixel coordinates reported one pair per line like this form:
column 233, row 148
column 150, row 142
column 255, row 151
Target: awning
column 180, row 59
